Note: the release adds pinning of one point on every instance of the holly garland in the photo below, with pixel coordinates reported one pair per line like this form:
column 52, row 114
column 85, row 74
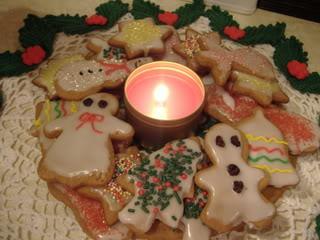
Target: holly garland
column 289, row 56
column 179, row 18
column 318, row 226
column 38, row 34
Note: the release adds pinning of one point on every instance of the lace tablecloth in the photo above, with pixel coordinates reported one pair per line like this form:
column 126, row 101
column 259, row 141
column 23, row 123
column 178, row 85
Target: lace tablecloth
column 28, row 211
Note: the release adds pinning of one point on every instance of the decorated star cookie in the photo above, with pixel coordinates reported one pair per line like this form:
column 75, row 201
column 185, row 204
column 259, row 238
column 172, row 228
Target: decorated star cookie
column 82, row 152
column 233, row 186
column 188, row 48
column 112, row 197
column 169, row 54
column 268, row 150
column 227, row 108
column 47, row 75
column 302, row 135
column 256, row 72
column 140, row 37
column 263, row 92
column 89, row 214
column 48, row 111
column 162, row 180
column 79, row 79
column 193, row 227
column 101, row 50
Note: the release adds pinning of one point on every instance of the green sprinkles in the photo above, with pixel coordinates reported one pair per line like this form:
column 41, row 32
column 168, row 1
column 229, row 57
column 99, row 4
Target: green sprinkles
column 131, row 210
column 160, row 178
column 174, row 218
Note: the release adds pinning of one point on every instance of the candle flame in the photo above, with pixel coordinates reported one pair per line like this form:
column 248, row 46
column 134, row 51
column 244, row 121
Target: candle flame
column 161, row 94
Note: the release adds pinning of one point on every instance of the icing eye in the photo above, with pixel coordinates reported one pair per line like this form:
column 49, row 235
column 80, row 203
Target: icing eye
column 235, row 141
column 238, row 186
column 87, row 102
column 81, row 73
column 102, row 104
column 220, row 142
column 233, row 170
column 90, row 71
column 100, row 69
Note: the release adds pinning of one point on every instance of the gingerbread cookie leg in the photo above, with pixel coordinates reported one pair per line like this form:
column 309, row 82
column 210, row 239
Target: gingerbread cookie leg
column 233, row 186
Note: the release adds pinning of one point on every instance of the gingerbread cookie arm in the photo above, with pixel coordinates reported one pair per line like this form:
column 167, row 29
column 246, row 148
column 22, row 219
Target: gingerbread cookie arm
column 54, row 128
column 118, row 129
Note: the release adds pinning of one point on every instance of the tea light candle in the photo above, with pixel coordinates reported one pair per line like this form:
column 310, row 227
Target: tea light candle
column 164, row 101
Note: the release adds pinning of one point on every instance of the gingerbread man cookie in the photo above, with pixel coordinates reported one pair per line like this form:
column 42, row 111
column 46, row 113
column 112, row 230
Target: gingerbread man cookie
column 79, row 79
column 161, row 181
column 82, row 153
column 268, row 150
column 140, row 37
column 233, row 186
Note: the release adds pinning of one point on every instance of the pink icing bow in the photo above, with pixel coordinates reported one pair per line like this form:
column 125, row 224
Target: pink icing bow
column 90, row 118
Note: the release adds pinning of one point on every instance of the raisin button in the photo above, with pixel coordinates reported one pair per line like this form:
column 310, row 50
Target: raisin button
column 102, row 104
column 219, row 141
column 233, row 170
column 235, row 141
column 238, row 186
column 87, row 102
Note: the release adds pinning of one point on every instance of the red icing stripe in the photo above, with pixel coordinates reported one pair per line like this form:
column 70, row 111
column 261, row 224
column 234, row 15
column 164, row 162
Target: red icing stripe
column 268, row 150
column 63, row 108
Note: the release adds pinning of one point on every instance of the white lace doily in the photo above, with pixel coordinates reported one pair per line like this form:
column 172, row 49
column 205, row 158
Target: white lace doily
column 28, row 211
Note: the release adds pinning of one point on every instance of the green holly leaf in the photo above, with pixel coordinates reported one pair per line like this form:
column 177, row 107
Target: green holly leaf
column 262, row 34
column 189, row 13
column 71, row 24
column 219, row 19
column 292, row 49
column 11, row 64
column 113, row 11
column 143, row 9
column 37, row 32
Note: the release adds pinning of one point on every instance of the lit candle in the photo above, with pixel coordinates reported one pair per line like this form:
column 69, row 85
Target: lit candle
column 164, row 101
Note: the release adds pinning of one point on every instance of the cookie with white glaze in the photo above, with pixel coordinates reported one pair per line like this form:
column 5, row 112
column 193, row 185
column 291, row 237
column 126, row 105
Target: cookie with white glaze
column 268, row 150
column 82, row 153
column 233, row 186
column 161, row 182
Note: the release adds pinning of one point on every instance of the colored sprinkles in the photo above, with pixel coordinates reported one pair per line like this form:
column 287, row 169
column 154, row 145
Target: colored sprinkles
column 160, row 181
column 193, row 206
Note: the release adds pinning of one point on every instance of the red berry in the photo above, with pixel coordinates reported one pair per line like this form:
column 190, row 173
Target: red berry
column 141, row 192
column 96, row 20
column 176, row 188
column 155, row 179
column 139, row 184
column 234, row 32
column 184, row 176
column 159, row 188
column 167, row 184
column 168, row 18
column 204, row 193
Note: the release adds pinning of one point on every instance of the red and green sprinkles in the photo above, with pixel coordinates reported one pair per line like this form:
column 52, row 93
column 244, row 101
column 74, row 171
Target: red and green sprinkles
column 194, row 206
column 160, row 181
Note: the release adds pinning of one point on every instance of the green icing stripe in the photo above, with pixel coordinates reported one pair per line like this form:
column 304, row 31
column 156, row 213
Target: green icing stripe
column 57, row 110
column 257, row 159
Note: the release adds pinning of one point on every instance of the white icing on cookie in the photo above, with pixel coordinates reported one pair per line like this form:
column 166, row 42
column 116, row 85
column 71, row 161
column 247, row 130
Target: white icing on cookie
column 268, row 150
column 83, row 147
column 164, row 182
column 80, row 76
column 194, row 229
column 232, row 184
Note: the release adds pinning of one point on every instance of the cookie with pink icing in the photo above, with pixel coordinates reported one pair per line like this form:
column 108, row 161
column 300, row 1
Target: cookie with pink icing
column 268, row 150
column 79, row 79
column 227, row 108
column 82, row 152
column 89, row 214
column 161, row 182
column 233, row 186
column 302, row 135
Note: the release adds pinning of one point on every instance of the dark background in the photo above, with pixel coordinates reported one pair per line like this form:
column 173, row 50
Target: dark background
column 307, row 9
